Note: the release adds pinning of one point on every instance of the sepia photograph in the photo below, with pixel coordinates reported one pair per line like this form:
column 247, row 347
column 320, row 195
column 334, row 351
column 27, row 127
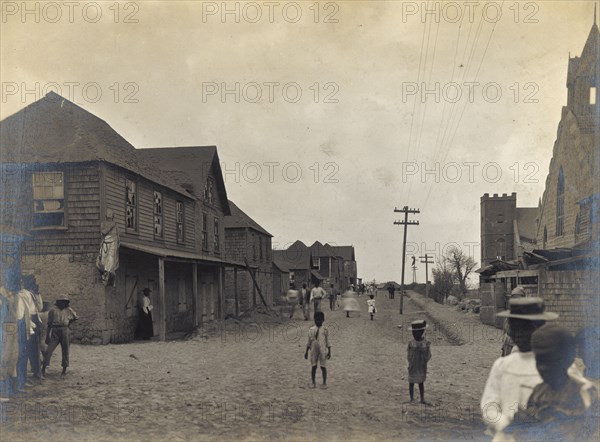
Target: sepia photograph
column 309, row 220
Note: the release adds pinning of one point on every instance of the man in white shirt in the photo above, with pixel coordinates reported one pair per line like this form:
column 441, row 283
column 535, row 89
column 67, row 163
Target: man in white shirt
column 316, row 295
column 513, row 377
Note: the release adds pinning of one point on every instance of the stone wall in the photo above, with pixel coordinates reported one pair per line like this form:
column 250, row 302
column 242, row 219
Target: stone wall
column 76, row 276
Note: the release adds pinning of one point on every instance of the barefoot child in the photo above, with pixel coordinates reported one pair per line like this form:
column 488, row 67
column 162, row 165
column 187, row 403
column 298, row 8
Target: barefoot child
column 318, row 341
column 371, row 304
column 418, row 354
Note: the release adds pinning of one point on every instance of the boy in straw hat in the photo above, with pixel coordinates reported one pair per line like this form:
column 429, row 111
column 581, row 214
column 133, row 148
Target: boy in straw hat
column 59, row 320
column 512, row 377
column 418, row 354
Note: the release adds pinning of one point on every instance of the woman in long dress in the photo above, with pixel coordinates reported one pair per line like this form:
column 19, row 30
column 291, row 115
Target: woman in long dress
column 145, row 325
column 350, row 302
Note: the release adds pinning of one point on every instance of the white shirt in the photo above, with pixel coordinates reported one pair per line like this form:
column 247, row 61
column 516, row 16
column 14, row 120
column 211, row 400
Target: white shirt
column 146, row 306
column 317, row 293
column 509, row 385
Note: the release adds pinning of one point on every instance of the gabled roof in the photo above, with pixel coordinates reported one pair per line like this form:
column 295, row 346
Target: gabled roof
column 189, row 167
column 318, row 249
column 240, row 220
column 297, row 256
column 280, row 266
column 55, row 130
column 346, row 252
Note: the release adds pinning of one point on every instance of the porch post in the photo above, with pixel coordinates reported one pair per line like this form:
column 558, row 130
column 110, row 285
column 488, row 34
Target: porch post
column 221, row 297
column 161, row 297
column 195, row 289
column 235, row 291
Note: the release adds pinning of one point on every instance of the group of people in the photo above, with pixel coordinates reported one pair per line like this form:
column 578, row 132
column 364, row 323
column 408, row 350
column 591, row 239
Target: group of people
column 29, row 334
column 535, row 390
column 305, row 298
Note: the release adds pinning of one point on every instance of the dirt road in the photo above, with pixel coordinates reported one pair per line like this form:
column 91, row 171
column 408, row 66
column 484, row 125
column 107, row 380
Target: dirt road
column 249, row 381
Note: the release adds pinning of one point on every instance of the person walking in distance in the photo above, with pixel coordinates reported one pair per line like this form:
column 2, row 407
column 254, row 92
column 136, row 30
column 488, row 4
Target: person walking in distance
column 371, row 305
column 305, row 296
column 60, row 318
column 316, row 295
column 332, row 297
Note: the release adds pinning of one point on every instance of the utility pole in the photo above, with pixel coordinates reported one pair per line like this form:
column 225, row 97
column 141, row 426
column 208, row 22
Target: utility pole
column 426, row 258
column 404, row 223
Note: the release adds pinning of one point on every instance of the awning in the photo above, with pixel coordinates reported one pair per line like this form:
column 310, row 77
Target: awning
column 179, row 254
column 316, row 275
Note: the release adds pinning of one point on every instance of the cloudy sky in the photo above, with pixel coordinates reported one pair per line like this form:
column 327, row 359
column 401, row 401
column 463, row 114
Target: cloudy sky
column 327, row 115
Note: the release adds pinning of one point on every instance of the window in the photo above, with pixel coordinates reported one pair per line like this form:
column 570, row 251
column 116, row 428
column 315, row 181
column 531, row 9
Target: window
column 209, row 191
column 315, row 262
column 217, row 236
column 260, row 247
column 545, row 239
column 179, row 220
column 181, row 295
column 158, row 214
column 500, row 249
column 253, row 247
column 593, row 95
column 131, row 205
column 560, row 203
column 577, row 228
column 48, row 200
column 204, row 231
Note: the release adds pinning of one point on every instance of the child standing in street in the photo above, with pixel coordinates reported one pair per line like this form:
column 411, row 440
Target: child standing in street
column 371, row 304
column 419, row 353
column 318, row 341
column 59, row 320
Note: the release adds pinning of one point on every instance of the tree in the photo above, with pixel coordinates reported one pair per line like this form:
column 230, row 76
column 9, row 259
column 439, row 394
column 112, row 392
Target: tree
column 443, row 280
column 462, row 265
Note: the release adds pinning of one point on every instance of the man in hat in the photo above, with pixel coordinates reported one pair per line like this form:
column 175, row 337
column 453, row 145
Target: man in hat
column 507, row 343
column 60, row 318
column 512, row 377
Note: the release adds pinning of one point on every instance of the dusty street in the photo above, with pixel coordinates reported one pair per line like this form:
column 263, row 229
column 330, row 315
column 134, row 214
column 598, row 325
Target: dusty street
column 249, row 381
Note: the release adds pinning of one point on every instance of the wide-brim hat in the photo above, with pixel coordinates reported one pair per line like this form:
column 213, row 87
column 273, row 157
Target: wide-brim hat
column 146, row 290
column 532, row 309
column 63, row 298
column 421, row 324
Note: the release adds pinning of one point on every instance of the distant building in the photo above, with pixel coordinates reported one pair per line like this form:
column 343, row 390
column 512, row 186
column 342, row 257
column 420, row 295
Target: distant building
column 555, row 255
column 323, row 262
column 298, row 262
column 506, row 230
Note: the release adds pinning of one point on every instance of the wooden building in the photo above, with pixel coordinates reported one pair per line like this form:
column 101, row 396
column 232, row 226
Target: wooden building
column 247, row 242
column 67, row 178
